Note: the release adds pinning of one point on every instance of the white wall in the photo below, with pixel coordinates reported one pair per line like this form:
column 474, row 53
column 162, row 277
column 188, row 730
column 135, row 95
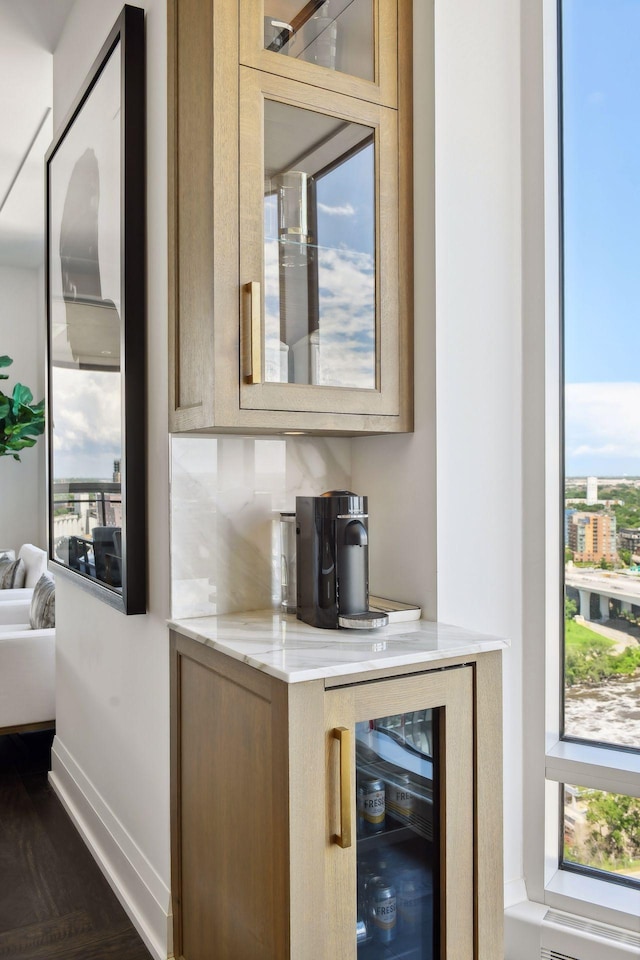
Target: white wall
column 479, row 361
column 462, row 464
column 111, row 762
column 22, row 498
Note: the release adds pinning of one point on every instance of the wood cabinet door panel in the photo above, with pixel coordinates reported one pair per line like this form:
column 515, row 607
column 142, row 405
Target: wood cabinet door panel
column 232, row 816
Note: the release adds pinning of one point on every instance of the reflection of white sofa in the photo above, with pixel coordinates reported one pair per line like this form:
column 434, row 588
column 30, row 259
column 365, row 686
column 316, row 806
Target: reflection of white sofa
column 35, row 562
column 27, row 665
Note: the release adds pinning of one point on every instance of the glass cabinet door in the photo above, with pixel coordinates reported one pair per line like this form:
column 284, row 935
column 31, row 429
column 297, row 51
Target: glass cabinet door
column 343, row 45
column 398, row 826
column 405, row 869
column 337, row 34
column 321, row 247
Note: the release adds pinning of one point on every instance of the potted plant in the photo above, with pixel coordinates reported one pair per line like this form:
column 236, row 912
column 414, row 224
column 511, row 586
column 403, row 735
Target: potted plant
column 21, row 421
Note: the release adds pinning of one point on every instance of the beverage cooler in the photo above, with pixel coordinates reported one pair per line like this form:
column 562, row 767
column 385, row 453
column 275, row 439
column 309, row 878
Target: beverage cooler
column 401, row 817
column 362, row 819
column 397, row 831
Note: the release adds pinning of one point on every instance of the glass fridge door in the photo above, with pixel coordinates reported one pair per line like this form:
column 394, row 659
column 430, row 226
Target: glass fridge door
column 397, row 788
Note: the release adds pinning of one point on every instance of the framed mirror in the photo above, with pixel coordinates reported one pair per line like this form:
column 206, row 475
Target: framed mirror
column 95, row 279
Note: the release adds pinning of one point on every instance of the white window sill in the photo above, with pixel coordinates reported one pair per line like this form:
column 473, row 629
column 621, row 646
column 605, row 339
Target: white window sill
column 615, row 770
column 594, row 899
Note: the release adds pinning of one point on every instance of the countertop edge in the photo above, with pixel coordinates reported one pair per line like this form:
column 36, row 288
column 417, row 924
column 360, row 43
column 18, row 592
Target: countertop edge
column 199, row 629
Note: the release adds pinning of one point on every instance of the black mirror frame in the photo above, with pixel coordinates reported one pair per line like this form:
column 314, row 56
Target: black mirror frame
column 132, row 597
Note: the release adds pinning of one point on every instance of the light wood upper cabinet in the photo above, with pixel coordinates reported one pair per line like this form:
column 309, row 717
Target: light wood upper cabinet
column 290, row 216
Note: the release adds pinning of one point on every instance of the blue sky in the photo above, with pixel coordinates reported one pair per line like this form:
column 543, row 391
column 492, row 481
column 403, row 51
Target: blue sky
column 348, row 188
column 601, row 107
column 346, row 275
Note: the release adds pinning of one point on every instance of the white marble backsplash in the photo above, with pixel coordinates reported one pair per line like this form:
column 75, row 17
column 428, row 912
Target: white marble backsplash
column 226, row 497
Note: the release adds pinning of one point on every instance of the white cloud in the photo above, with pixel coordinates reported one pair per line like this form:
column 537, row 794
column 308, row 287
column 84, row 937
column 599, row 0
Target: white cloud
column 86, row 420
column 346, row 294
column 603, row 420
column 346, row 210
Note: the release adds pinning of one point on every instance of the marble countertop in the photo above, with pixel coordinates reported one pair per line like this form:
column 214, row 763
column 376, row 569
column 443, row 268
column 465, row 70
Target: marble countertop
column 286, row 648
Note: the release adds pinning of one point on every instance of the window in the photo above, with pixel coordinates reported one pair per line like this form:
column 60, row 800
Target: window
column 596, row 761
column 581, row 243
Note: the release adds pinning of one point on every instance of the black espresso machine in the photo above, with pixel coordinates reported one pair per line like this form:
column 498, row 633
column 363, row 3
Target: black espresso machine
column 332, row 561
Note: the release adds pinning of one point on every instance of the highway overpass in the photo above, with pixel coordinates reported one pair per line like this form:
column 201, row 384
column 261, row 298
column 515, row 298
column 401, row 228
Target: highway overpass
column 608, row 585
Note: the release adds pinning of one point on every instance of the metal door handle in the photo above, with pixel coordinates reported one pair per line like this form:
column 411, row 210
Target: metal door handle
column 254, row 334
column 343, row 736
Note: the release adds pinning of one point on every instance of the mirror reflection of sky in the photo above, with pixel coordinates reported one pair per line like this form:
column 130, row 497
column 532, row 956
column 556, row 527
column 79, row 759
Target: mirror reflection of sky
column 601, row 144
column 346, row 273
column 87, row 434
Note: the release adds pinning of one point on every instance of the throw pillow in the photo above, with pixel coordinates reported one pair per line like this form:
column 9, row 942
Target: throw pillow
column 42, row 614
column 12, row 574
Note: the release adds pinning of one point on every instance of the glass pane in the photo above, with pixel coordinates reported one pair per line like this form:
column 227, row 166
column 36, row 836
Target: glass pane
column 602, row 831
column 337, row 34
column 601, row 292
column 319, row 249
column 398, row 836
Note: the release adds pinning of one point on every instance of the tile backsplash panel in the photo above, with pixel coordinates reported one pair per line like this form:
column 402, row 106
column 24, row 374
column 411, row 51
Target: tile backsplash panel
column 226, row 497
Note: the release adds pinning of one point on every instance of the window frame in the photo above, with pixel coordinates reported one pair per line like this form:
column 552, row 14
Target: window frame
column 556, row 761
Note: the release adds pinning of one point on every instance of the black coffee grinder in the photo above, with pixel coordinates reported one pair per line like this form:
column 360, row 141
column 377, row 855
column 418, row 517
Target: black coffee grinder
column 332, row 561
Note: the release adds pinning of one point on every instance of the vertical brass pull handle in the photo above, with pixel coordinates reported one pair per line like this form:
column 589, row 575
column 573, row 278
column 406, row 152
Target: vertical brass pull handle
column 343, row 736
column 254, row 333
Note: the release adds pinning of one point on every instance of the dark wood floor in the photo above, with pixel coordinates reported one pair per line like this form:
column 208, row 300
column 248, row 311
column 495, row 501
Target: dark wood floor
column 54, row 902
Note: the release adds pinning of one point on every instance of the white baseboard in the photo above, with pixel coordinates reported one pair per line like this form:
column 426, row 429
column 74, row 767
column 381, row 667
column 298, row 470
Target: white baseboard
column 137, row 885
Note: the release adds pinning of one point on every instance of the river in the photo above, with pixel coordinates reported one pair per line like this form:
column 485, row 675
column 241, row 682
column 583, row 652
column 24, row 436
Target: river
column 609, row 713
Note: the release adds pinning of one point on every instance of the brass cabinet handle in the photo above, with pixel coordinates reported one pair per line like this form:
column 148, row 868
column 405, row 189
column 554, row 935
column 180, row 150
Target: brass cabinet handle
column 343, row 736
column 254, row 334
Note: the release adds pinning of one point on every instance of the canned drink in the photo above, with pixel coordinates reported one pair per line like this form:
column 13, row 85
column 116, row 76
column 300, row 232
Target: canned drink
column 373, row 805
column 399, row 799
column 409, row 902
column 362, row 934
column 383, row 910
column 365, row 875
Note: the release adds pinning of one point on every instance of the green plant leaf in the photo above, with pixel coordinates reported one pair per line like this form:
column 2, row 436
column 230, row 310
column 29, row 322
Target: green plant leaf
column 5, row 361
column 21, row 421
column 22, row 443
column 21, row 394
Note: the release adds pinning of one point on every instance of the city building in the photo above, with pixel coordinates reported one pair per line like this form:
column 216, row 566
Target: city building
column 568, row 514
column 592, row 537
column 629, row 539
column 592, row 490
